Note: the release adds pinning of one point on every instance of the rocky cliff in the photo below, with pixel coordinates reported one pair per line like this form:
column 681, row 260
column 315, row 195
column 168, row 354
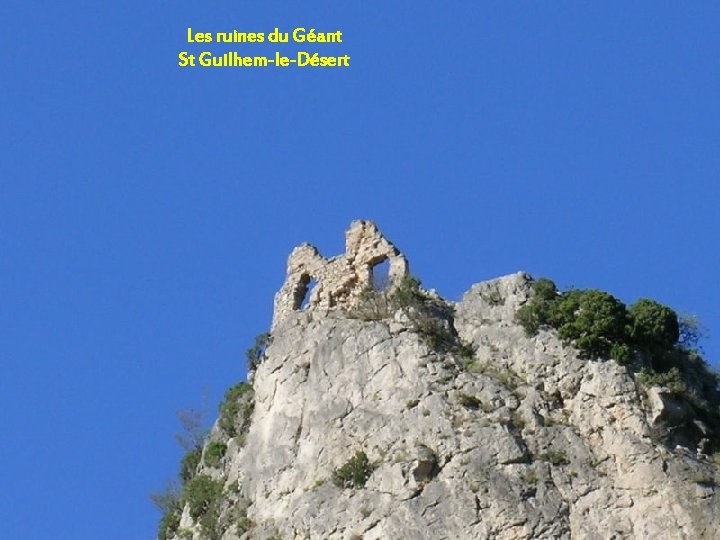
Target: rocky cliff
column 398, row 415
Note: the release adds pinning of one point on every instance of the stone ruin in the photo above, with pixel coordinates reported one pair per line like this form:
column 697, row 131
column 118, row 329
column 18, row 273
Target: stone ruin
column 338, row 281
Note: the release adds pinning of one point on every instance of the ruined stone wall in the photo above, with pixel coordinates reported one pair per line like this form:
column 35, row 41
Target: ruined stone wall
column 339, row 280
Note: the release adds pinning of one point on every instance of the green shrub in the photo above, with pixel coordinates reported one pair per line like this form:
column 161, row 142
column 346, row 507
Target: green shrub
column 236, row 409
column 354, row 473
column 530, row 318
column 214, row 452
column 189, row 464
column 434, row 332
column 201, row 494
column 407, row 293
column 671, row 380
column 545, row 290
column 465, row 350
column 429, row 317
column 555, row 457
column 600, row 325
column 243, row 525
column 376, row 305
column 505, row 376
column 372, row 305
column 621, row 353
column 592, row 320
column 204, row 497
column 468, row 401
column 653, row 325
column 530, row 477
column 237, row 515
column 240, row 439
column 169, row 524
column 536, row 314
column 517, row 421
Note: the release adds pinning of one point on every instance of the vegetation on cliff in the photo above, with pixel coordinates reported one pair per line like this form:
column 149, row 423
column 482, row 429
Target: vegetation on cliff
column 206, row 497
column 657, row 345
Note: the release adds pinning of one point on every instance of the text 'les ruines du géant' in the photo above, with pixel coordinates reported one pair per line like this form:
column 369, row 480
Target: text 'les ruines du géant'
column 306, row 58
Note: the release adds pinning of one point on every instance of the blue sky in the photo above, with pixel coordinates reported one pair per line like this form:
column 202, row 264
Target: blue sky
column 146, row 211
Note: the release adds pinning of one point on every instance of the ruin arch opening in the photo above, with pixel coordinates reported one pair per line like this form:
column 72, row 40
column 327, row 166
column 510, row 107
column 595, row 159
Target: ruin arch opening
column 380, row 275
column 305, row 292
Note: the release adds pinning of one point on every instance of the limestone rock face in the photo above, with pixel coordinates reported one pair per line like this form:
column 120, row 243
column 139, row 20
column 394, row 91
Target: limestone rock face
column 519, row 439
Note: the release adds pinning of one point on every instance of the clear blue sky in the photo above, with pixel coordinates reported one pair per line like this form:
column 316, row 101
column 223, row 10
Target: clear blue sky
column 146, row 212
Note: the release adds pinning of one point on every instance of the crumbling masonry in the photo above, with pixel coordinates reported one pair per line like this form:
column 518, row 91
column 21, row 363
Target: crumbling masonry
column 339, row 280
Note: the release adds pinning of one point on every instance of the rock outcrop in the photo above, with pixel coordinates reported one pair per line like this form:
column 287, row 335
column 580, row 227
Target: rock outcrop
column 497, row 435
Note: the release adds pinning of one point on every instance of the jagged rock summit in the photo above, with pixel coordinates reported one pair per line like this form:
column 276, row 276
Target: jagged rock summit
column 397, row 415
